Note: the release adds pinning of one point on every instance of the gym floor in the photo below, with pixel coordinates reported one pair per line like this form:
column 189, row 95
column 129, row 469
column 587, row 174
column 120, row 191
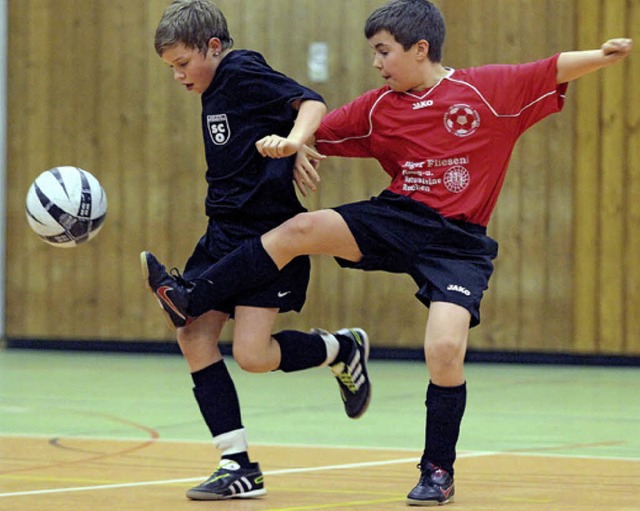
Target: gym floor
column 92, row 430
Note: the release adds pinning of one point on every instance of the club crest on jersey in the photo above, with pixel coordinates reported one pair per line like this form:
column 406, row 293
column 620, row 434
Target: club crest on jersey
column 218, row 128
column 456, row 179
column 462, row 120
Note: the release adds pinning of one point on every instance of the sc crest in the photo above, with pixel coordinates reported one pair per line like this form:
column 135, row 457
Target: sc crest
column 218, row 128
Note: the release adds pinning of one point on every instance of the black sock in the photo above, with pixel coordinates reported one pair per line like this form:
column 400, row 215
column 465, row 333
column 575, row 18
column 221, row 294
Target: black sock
column 346, row 347
column 245, row 268
column 217, row 398
column 445, row 408
column 300, row 350
column 219, row 405
column 241, row 458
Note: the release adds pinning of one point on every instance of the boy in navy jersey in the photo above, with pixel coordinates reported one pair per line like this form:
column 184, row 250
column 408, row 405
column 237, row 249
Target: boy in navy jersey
column 445, row 137
column 243, row 101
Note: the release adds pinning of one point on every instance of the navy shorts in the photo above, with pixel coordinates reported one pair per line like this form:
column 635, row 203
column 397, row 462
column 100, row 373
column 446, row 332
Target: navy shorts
column 450, row 261
column 286, row 293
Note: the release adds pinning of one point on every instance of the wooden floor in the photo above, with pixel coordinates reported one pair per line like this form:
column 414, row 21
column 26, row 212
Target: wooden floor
column 40, row 474
column 98, row 432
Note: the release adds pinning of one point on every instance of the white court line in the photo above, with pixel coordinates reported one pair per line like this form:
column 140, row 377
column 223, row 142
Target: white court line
column 297, row 471
column 300, row 470
column 193, row 479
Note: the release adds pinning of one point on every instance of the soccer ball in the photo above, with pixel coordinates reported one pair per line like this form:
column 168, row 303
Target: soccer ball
column 66, row 206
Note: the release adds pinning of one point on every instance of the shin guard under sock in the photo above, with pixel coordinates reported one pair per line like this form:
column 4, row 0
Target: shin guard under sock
column 445, row 408
column 217, row 398
column 299, row 350
column 245, row 268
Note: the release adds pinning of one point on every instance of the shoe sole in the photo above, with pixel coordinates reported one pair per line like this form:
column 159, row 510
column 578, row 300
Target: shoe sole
column 365, row 339
column 429, row 503
column 201, row 495
column 145, row 268
column 145, row 275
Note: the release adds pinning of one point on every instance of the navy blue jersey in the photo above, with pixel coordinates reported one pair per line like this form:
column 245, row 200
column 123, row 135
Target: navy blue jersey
column 246, row 101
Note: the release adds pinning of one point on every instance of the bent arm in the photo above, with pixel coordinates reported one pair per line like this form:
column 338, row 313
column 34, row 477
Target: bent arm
column 310, row 114
column 574, row 64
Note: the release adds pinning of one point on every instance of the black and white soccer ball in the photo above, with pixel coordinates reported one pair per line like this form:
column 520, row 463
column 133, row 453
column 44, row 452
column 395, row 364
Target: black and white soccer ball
column 66, row 206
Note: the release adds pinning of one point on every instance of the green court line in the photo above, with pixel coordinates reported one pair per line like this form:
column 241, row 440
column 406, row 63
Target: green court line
column 571, row 410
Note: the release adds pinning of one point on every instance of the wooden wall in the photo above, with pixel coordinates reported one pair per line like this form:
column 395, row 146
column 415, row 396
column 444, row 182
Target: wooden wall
column 86, row 88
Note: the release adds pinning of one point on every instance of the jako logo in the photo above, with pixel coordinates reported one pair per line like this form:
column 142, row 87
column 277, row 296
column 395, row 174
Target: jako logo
column 459, row 289
column 422, row 104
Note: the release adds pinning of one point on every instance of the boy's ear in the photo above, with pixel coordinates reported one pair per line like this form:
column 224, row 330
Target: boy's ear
column 422, row 49
column 215, row 45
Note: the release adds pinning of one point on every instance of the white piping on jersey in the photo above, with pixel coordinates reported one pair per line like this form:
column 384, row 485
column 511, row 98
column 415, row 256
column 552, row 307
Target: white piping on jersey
column 517, row 114
column 450, row 71
column 373, row 107
column 448, row 77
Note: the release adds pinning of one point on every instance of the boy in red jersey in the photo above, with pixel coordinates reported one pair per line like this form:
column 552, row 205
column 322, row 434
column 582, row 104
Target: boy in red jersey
column 445, row 137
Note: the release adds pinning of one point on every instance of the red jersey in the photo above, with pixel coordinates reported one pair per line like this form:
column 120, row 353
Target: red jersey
column 447, row 147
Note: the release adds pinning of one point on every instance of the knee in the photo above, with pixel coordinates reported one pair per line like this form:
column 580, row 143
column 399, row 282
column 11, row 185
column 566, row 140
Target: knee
column 445, row 352
column 300, row 226
column 198, row 348
column 191, row 336
column 250, row 361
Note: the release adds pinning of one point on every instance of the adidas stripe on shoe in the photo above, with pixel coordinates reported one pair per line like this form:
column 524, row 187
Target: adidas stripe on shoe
column 352, row 376
column 230, row 481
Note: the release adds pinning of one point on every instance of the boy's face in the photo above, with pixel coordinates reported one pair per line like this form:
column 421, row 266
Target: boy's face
column 398, row 67
column 191, row 68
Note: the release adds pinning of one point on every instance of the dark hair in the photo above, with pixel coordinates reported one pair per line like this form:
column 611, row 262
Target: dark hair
column 192, row 23
column 409, row 21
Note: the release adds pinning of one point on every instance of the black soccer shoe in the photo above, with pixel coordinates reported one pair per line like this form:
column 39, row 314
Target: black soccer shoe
column 230, row 481
column 434, row 488
column 353, row 380
column 171, row 290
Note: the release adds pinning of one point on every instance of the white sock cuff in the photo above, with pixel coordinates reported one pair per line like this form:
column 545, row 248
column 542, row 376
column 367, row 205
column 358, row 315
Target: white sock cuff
column 332, row 345
column 232, row 442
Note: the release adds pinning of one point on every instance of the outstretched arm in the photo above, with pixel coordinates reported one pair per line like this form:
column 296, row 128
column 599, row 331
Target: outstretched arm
column 310, row 113
column 574, row 64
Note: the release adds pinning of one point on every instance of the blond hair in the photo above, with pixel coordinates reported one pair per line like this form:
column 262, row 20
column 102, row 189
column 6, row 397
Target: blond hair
column 192, row 23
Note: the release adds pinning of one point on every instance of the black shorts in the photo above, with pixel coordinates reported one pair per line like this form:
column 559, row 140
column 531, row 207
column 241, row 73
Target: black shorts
column 286, row 293
column 450, row 261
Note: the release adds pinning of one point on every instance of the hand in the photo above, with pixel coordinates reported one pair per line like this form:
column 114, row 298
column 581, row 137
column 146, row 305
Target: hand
column 617, row 48
column 305, row 174
column 275, row 146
